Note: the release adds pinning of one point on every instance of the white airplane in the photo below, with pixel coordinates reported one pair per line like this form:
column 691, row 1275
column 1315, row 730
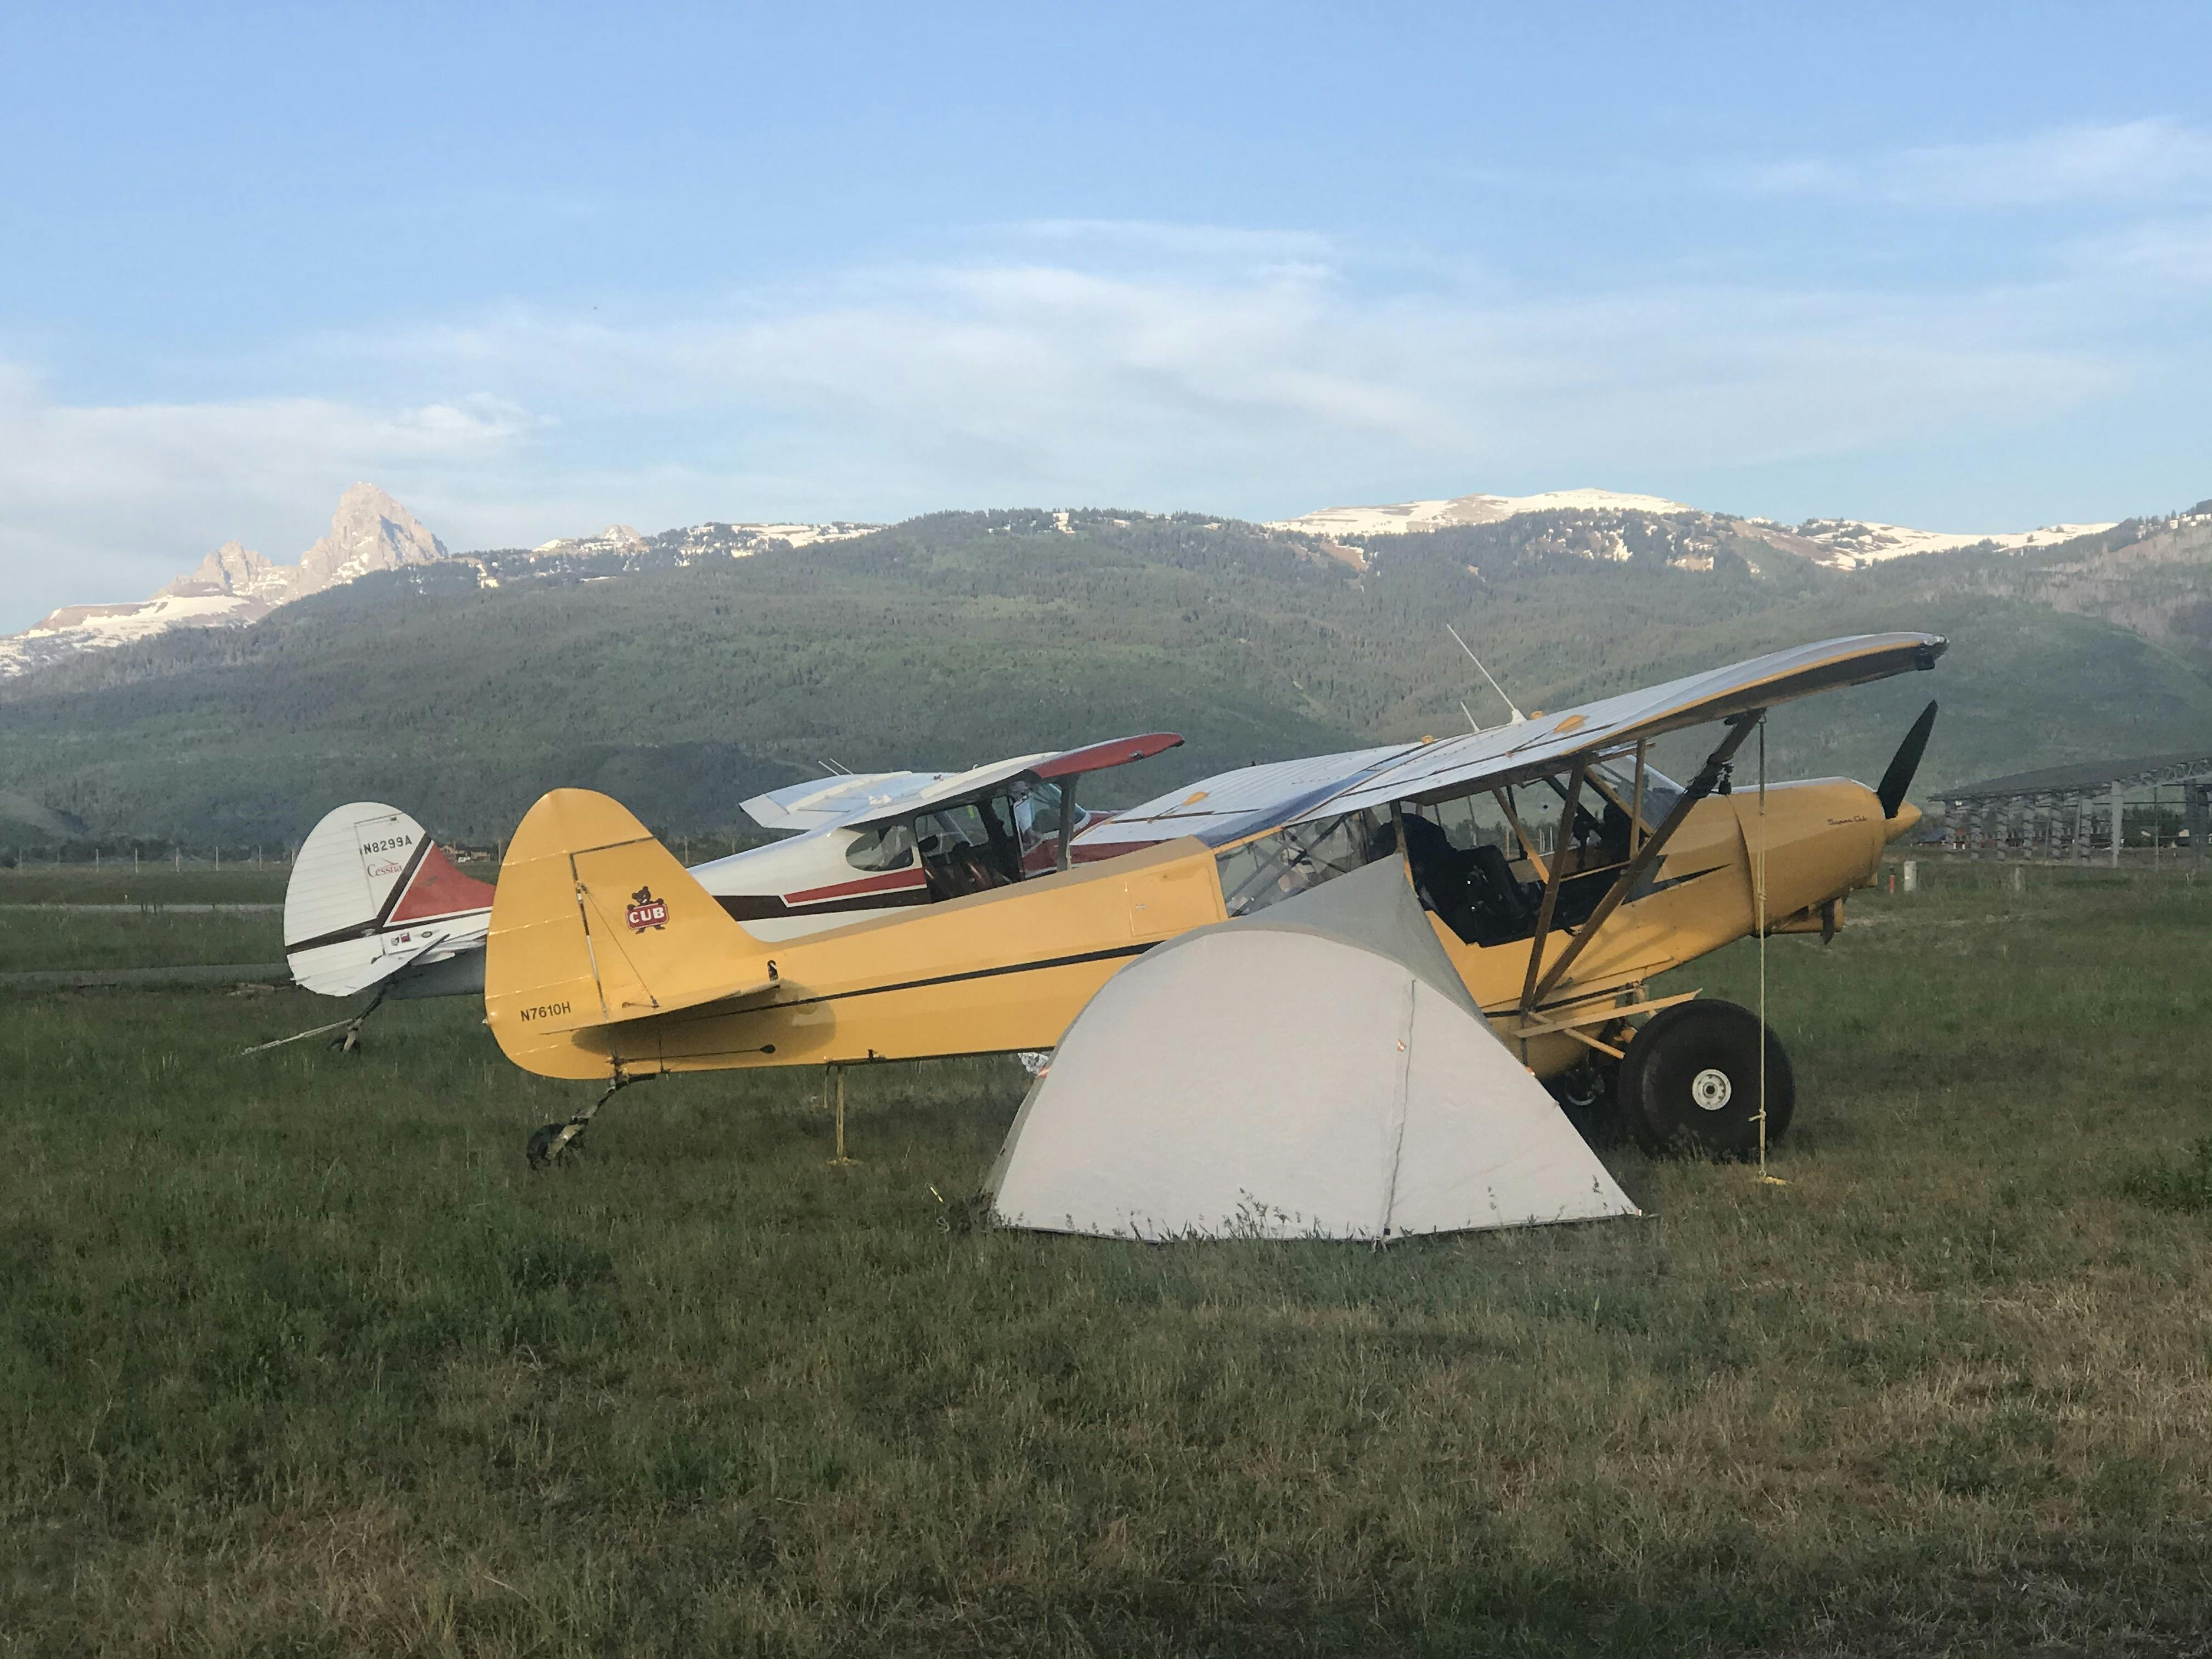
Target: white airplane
column 375, row 904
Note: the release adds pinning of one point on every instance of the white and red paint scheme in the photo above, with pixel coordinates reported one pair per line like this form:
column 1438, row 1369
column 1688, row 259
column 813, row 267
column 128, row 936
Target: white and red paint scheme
column 375, row 904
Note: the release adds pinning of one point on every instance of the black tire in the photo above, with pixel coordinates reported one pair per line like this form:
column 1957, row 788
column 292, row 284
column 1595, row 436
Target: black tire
column 1589, row 1094
column 1690, row 1084
column 539, row 1147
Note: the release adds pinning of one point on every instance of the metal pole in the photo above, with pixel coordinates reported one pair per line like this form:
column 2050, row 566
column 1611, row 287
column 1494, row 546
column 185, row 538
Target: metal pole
column 838, row 1072
column 2119, row 812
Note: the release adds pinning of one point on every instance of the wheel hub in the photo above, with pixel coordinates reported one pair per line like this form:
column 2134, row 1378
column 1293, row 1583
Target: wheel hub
column 1711, row 1089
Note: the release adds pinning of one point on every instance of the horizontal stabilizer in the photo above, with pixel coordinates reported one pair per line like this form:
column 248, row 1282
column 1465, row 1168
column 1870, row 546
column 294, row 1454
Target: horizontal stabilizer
column 596, row 922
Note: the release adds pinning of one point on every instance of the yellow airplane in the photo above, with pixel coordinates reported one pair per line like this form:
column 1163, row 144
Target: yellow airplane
column 1561, row 871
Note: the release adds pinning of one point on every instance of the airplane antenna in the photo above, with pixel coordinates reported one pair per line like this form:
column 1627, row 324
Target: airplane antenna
column 1469, row 713
column 1518, row 717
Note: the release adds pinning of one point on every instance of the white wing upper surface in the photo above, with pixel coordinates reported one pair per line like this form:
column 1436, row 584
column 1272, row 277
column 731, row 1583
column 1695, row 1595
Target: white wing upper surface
column 1216, row 808
column 1511, row 752
column 859, row 800
column 820, row 803
column 1234, row 805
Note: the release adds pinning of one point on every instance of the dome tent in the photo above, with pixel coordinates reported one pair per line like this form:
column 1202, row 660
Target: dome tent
column 1315, row 1071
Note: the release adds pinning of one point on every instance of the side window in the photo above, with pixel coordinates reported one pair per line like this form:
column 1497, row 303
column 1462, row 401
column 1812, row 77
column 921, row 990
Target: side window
column 1470, row 861
column 1474, row 821
column 890, row 847
column 1274, row 867
column 967, row 849
column 1036, row 805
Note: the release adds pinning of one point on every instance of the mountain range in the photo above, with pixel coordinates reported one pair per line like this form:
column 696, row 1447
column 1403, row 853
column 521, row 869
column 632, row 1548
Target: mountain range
column 369, row 533
column 235, row 587
column 684, row 670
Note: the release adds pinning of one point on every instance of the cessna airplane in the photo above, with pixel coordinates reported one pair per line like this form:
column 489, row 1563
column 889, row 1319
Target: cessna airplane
column 375, row 904
column 1560, row 870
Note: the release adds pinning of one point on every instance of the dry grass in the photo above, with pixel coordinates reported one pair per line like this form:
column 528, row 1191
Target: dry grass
column 296, row 1358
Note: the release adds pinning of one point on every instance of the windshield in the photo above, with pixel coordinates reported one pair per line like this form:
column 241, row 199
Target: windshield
column 1660, row 791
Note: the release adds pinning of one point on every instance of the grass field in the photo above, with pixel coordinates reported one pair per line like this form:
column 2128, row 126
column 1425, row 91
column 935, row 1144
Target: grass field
column 296, row 1358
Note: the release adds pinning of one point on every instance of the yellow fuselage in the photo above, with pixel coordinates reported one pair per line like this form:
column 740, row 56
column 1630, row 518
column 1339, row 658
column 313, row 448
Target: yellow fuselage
column 1012, row 969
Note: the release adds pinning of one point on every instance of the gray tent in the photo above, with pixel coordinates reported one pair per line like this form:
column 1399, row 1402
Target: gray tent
column 1315, row 1071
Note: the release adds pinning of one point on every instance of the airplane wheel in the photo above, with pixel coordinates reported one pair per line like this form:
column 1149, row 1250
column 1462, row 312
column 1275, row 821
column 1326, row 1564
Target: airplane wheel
column 1690, row 1084
column 1590, row 1094
column 539, row 1148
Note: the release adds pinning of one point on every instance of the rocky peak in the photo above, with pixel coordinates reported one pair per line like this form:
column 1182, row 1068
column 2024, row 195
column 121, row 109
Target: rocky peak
column 236, row 569
column 369, row 531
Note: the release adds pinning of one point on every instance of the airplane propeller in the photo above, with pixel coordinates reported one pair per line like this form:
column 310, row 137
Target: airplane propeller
column 1904, row 762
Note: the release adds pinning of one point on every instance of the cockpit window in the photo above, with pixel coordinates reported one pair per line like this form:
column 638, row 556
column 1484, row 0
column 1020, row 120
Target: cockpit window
column 890, row 847
column 1660, row 791
column 969, row 847
column 1275, row 867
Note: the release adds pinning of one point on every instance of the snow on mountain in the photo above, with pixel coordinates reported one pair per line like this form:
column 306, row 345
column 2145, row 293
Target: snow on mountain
column 735, row 541
column 1468, row 509
column 234, row 585
column 1856, row 543
column 1839, row 543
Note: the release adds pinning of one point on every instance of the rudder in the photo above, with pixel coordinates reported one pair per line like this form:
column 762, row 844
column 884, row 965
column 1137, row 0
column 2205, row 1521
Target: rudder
column 366, row 872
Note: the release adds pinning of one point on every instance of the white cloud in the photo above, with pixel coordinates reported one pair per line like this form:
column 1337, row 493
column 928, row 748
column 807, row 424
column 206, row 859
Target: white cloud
column 1070, row 384
column 108, row 502
column 2122, row 164
column 2173, row 253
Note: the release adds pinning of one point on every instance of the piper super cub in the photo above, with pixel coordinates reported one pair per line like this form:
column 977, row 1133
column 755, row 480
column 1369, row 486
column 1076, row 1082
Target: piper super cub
column 1558, row 870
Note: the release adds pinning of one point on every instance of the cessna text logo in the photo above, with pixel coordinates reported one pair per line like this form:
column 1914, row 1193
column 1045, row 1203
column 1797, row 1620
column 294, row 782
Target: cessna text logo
column 545, row 1011
column 647, row 911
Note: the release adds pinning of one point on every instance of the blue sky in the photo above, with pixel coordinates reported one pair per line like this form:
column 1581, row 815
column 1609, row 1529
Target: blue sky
column 538, row 270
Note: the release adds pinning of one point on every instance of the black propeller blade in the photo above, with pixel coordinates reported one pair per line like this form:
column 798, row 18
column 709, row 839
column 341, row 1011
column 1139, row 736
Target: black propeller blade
column 1904, row 762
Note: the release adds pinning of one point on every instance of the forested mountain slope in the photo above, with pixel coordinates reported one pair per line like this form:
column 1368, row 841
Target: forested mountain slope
column 462, row 688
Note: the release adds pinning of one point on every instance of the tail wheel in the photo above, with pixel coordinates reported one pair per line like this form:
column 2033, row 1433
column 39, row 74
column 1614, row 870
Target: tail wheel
column 1690, row 1082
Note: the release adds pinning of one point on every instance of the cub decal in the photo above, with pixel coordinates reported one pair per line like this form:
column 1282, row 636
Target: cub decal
column 647, row 911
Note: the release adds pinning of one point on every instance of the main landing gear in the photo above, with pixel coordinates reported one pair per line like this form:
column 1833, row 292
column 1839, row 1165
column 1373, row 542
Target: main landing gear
column 1590, row 1094
column 1690, row 1082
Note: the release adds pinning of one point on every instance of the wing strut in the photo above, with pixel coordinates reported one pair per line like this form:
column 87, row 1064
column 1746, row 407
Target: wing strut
column 1709, row 776
column 1061, row 854
column 1552, row 882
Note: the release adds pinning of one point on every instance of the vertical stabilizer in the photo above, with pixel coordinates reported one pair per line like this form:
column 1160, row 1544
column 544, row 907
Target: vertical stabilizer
column 596, row 923
column 372, row 896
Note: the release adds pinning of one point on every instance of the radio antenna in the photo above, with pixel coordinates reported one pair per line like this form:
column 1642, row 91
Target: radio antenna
column 1518, row 717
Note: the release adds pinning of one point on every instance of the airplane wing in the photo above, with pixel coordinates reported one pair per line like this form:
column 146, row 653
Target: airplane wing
column 1229, row 806
column 1236, row 804
column 862, row 801
column 820, row 802
column 1510, row 753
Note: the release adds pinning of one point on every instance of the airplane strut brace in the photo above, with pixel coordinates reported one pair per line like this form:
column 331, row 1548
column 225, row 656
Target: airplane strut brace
column 1538, row 987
